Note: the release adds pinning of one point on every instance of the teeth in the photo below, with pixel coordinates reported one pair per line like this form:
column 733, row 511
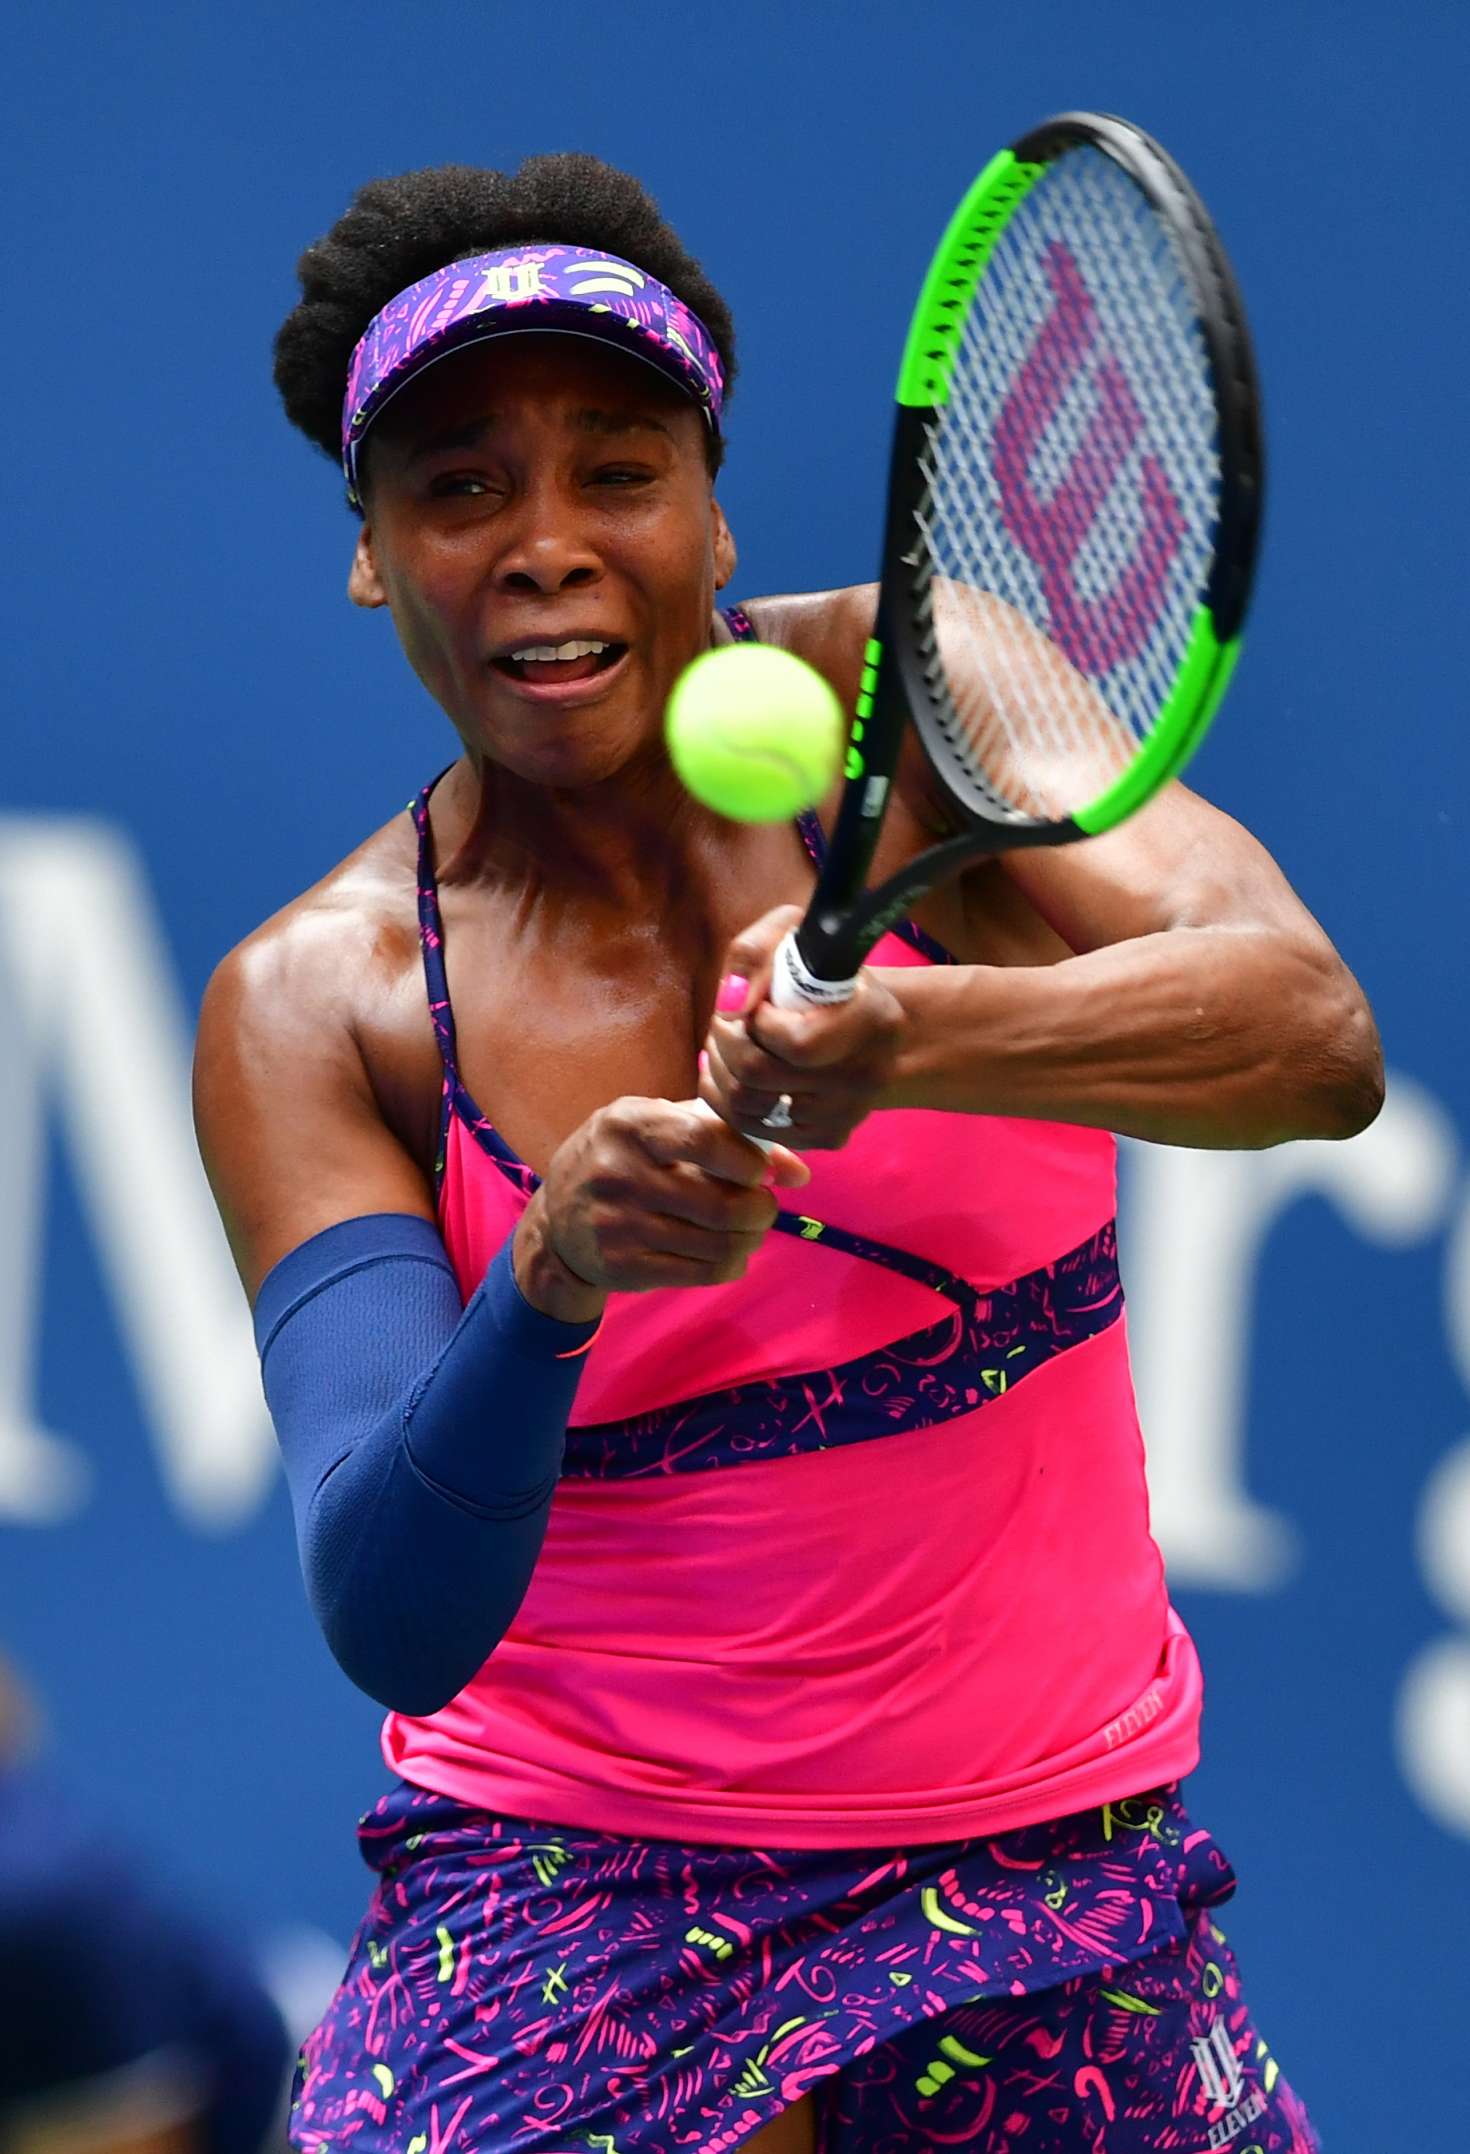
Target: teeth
column 543, row 653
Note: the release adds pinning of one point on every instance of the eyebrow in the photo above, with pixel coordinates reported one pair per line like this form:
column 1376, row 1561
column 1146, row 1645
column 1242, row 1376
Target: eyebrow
column 588, row 421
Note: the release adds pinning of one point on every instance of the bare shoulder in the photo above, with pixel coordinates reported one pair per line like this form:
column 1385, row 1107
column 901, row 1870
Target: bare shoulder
column 322, row 961
column 826, row 628
column 330, row 945
column 310, row 1039
column 830, row 630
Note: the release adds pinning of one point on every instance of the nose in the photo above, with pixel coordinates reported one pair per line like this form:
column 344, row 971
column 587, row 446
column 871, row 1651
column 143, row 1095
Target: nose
column 548, row 548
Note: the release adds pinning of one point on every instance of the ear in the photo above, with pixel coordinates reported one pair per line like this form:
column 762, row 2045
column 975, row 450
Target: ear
column 364, row 584
column 725, row 555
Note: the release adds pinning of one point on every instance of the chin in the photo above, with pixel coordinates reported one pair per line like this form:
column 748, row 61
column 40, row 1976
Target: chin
column 568, row 763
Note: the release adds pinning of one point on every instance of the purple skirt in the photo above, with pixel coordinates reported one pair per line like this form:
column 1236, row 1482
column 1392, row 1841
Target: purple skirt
column 539, row 1987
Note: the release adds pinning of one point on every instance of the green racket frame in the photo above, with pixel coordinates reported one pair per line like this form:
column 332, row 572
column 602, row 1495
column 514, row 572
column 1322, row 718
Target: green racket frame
column 903, row 675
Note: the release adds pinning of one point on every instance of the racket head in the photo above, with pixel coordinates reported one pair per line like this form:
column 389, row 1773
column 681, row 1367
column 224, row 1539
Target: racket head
column 1076, row 485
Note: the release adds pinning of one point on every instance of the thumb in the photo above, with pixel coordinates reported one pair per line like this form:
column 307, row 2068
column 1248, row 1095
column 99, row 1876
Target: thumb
column 785, row 1169
column 749, row 958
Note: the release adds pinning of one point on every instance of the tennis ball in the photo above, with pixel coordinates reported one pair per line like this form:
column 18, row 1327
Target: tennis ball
column 754, row 732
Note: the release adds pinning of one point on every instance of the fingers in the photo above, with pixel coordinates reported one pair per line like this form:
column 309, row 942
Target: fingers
column 638, row 1249
column 819, row 1121
column 684, row 1132
column 698, row 1198
column 643, row 1267
column 832, row 1063
column 771, row 1042
column 651, row 1193
column 722, row 1253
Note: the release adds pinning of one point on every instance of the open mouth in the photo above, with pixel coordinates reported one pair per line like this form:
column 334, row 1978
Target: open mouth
column 554, row 665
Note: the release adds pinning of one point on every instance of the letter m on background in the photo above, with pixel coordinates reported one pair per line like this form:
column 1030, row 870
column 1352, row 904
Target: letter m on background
column 93, row 1025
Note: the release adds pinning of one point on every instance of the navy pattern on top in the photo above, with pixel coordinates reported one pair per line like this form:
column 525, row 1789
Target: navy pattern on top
column 985, row 1343
column 985, row 1346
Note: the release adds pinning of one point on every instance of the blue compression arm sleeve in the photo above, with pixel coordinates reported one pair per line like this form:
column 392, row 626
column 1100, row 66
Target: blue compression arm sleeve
column 421, row 1442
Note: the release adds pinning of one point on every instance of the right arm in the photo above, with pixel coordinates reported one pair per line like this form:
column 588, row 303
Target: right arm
column 422, row 1440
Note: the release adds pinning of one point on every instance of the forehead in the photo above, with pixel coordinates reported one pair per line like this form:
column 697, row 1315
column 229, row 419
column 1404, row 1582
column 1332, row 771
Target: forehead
column 551, row 379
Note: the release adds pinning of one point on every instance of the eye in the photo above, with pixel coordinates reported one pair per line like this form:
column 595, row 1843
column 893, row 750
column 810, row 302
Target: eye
column 622, row 475
column 449, row 485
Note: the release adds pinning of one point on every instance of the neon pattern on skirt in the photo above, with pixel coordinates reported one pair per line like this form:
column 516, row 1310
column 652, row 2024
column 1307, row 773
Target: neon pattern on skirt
column 1061, row 1990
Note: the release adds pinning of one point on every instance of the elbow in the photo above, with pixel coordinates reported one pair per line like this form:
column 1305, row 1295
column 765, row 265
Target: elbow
column 415, row 1692
column 411, row 1593
column 1358, row 1101
column 1341, row 1064
column 416, row 1680
column 413, row 1703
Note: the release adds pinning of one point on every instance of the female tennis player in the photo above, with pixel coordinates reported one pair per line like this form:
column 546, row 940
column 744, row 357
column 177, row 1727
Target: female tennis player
column 785, row 1709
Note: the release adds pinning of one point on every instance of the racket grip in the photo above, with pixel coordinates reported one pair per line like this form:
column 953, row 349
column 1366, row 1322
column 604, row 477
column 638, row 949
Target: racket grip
column 795, row 987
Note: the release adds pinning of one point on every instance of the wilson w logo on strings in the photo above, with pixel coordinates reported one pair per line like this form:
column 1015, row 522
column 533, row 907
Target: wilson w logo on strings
column 1110, row 627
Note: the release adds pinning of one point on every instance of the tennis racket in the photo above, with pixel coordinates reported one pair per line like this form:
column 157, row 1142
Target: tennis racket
column 1074, row 500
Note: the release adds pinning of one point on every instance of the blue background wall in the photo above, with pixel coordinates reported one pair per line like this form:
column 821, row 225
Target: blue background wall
column 182, row 673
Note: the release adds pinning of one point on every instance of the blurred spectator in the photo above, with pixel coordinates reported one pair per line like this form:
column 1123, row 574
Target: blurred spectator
column 125, row 2026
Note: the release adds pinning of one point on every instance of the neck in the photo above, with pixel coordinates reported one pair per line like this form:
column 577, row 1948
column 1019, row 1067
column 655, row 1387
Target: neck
column 631, row 845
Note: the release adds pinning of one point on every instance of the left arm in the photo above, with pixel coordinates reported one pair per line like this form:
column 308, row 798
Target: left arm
column 1200, row 1004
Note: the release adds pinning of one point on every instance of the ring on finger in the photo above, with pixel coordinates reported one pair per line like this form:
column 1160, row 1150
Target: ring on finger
column 780, row 1116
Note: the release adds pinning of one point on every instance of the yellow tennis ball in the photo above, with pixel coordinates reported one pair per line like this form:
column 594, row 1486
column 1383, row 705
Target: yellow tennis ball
column 754, row 732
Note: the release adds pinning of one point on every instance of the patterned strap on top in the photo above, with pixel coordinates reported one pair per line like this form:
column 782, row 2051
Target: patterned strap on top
column 918, row 1268
column 431, row 943
column 968, row 1359
column 431, row 932
column 455, row 1099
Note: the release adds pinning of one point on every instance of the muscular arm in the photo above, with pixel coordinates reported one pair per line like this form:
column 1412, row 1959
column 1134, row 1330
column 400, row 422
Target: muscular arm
column 1162, row 980
column 290, row 1127
column 421, row 1441
column 1203, row 1005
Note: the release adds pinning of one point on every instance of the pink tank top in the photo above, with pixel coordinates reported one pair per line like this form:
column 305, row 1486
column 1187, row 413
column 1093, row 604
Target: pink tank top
column 854, row 1551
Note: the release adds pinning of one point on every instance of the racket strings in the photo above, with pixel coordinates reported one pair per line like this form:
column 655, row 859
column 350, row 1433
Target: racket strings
column 971, row 666
column 1071, row 493
column 961, row 726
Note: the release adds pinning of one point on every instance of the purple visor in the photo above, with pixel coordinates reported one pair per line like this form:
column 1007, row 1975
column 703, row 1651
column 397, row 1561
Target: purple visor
column 574, row 290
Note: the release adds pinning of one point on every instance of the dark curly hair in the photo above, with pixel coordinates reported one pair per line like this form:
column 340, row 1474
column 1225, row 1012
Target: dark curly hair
column 400, row 229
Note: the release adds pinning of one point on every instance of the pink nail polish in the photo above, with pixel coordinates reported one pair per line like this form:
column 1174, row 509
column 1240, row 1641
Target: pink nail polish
column 731, row 997
column 703, row 1061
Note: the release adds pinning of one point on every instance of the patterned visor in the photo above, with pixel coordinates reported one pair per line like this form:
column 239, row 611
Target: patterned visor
column 574, row 290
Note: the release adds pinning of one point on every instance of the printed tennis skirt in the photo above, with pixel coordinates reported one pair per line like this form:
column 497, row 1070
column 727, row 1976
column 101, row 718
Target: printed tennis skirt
column 1059, row 1990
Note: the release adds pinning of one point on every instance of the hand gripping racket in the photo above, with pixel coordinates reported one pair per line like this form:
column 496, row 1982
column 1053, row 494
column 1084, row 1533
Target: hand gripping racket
column 1074, row 498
